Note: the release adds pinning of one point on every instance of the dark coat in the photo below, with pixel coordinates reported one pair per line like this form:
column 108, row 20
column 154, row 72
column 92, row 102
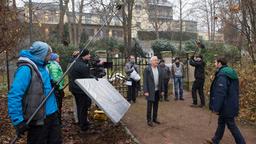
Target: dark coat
column 80, row 69
column 199, row 68
column 149, row 84
column 224, row 93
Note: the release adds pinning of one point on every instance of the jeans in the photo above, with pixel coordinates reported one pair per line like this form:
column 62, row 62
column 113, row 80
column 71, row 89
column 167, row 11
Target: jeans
column 166, row 81
column 178, row 85
column 230, row 122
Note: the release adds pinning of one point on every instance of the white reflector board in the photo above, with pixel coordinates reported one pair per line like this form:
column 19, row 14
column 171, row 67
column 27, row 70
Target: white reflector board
column 105, row 96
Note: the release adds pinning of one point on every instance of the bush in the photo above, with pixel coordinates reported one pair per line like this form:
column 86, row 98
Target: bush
column 162, row 45
column 170, row 35
column 247, row 78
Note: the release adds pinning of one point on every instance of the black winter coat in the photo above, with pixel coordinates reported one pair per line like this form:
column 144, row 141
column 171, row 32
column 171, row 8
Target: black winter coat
column 80, row 69
column 199, row 68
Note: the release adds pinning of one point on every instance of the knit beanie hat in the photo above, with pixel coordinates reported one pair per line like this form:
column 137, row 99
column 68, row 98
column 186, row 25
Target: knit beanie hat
column 40, row 49
column 84, row 52
column 54, row 56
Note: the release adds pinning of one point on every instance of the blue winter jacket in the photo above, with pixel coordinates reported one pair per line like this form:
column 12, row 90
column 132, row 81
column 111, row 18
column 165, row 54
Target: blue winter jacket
column 21, row 83
column 224, row 92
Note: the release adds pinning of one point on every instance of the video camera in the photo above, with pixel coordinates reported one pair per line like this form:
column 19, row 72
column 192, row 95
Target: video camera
column 97, row 67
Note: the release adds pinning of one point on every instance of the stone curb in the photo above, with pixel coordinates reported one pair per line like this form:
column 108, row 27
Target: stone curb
column 129, row 133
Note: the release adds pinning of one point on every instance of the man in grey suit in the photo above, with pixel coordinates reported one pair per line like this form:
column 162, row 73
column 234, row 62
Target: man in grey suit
column 153, row 87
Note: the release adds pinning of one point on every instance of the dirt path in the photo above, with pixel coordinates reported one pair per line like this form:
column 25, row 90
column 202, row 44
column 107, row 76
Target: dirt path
column 180, row 124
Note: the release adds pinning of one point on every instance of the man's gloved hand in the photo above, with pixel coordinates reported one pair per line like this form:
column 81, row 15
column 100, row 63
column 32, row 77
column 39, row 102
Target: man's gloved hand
column 21, row 128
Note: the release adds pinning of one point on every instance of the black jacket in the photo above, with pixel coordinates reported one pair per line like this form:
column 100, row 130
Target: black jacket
column 80, row 69
column 149, row 83
column 199, row 68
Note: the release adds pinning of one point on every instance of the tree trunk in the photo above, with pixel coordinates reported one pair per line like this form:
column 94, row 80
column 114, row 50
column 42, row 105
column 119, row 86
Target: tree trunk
column 79, row 32
column 180, row 26
column 14, row 4
column 74, row 24
column 63, row 9
column 70, row 30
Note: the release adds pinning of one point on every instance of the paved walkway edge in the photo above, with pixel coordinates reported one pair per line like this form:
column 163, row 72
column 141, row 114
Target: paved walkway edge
column 129, row 133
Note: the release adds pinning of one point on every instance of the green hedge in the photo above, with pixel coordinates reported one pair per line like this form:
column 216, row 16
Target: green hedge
column 170, row 35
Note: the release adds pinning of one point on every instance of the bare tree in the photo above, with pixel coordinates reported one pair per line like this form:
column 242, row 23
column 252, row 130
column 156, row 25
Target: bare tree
column 81, row 7
column 248, row 8
column 74, row 40
column 63, row 9
column 104, row 10
column 184, row 11
column 127, row 12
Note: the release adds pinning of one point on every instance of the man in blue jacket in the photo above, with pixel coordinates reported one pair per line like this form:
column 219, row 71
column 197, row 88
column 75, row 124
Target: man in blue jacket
column 30, row 86
column 224, row 100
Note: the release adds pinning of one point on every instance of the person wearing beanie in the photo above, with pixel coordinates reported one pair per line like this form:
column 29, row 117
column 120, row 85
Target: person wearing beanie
column 80, row 70
column 56, row 73
column 31, row 84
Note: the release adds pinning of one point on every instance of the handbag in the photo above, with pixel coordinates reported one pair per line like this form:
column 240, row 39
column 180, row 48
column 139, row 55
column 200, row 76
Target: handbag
column 135, row 76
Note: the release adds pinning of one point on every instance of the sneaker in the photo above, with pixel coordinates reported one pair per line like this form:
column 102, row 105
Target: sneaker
column 182, row 99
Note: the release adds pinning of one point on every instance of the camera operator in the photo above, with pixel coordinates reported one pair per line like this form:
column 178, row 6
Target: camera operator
column 81, row 69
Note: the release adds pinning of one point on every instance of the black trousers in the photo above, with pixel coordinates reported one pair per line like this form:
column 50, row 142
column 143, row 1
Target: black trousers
column 59, row 94
column 166, row 81
column 132, row 91
column 153, row 105
column 83, row 102
column 49, row 133
column 198, row 85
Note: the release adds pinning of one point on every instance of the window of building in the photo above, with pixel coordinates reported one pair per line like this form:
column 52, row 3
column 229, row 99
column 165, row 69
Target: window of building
column 90, row 32
column 88, row 19
column 117, row 34
column 138, row 24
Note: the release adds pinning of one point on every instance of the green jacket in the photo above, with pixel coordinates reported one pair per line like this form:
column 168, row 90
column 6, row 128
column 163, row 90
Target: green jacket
column 55, row 73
